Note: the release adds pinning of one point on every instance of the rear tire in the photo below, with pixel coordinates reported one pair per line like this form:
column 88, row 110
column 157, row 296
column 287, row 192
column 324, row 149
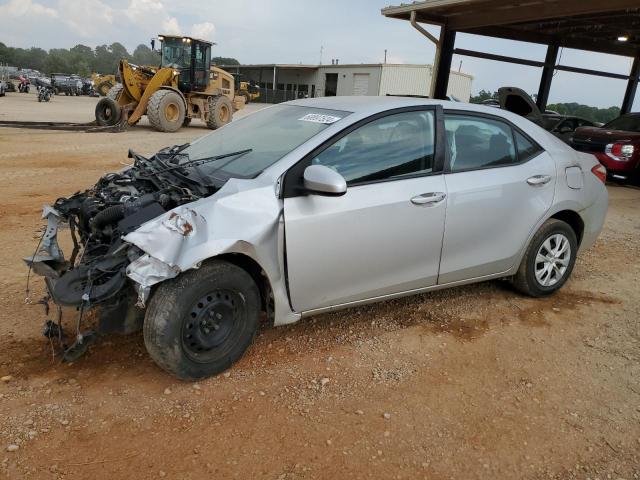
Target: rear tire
column 186, row 122
column 549, row 260
column 114, row 93
column 201, row 322
column 220, row 112
column 108, row 112
column 166, row 111
column 103, row 88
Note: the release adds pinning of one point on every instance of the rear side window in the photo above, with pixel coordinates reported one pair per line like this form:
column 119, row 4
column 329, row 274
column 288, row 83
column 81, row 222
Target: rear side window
column 526, row 148
column 388, row 148
column 476, row 142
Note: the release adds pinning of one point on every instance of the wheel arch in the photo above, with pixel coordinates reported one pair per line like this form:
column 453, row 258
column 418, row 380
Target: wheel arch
column 574, row 220
column 568, row 212
column 257, row 273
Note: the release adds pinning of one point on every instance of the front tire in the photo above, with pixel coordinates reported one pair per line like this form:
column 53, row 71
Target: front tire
column 201, row 322
column 166, row 111
column 548, row 261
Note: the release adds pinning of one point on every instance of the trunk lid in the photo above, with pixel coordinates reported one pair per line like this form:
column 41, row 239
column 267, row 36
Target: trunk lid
column 518, row 101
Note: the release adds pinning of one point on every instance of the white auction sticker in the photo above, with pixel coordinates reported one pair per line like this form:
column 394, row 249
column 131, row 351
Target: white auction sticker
column 319, row 118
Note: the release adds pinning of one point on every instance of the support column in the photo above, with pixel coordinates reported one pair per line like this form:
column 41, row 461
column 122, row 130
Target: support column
column 632, row 87
column 547, row 77
column 442, row 64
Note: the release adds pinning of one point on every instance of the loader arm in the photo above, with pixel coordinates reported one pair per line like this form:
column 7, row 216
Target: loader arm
column 161, row 78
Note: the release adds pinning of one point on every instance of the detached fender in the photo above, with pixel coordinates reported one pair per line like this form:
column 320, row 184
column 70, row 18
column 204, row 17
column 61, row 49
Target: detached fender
column 237, row 219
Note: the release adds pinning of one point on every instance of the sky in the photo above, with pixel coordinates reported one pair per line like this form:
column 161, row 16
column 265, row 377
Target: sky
column 294, row 31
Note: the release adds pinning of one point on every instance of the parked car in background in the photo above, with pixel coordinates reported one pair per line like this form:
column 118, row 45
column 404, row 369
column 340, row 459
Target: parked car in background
column 518, row 101
column 315, row 205
column 616, row 145
column 67, row 84
column 564, row 126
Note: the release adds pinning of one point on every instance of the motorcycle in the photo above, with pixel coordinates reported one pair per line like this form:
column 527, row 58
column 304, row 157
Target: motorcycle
column 44, row 94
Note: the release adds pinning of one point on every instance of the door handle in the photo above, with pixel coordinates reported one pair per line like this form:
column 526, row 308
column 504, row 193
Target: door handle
column 429, row 198
column 539, row 180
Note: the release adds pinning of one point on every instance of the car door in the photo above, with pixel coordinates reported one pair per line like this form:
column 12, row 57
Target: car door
column 384, row 235
column 499, row 185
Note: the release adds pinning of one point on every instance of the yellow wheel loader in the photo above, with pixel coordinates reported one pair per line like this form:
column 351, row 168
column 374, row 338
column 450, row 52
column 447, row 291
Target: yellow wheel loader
column 102, row 83
column 184, row 86
column 249, row 91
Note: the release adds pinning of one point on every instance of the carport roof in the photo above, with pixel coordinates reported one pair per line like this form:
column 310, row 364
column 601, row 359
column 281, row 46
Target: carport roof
column 594, row 25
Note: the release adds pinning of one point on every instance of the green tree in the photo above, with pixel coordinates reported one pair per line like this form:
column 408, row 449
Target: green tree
column 143, row 55
column 482, row 96
column 224, row 61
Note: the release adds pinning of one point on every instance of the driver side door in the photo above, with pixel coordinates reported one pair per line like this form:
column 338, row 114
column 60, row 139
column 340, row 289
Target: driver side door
column 384, row 235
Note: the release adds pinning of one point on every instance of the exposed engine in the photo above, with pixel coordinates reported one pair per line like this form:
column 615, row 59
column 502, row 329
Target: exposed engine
column 98, row 218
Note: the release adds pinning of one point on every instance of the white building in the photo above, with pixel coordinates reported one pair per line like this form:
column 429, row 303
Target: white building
column 349, row 79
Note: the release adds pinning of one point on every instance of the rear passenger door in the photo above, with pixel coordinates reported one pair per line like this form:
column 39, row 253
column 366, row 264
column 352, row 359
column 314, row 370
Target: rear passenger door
column 499, row 185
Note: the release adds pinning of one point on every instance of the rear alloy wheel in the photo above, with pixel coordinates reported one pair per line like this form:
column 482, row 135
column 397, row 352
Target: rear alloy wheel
column 108, row 112
column 199, row 323
column 220, row 112
column 166, row 111
column 548, row 261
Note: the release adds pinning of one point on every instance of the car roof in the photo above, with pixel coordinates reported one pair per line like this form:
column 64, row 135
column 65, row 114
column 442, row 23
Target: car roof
column 371, row 105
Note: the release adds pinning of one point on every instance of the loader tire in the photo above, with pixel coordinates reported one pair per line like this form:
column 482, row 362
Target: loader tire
column 220, row 112
column 103, row 88
column 107, row 112
column 186, row 122
column 115, row 91
column 166, row 111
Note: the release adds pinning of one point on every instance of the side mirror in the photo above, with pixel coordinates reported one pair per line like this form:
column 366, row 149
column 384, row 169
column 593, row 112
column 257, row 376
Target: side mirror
column 153, row 44
column 324, row 181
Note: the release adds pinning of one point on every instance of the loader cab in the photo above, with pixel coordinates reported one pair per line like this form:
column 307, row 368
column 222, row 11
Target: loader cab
column 192, row 57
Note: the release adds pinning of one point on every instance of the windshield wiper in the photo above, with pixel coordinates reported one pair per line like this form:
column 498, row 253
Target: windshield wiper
column 202, row 161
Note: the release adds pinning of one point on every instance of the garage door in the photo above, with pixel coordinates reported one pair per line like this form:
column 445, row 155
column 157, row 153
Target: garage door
column 360, row 83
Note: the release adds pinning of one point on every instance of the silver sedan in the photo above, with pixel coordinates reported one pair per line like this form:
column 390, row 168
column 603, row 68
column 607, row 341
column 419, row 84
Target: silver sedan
column 320, row 204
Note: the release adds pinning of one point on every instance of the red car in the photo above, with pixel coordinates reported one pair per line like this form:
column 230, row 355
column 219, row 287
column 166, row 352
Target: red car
column 616, row 145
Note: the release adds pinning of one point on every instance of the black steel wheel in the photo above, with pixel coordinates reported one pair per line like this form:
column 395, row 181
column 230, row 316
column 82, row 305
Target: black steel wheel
column 211, row 321
column 199, row 323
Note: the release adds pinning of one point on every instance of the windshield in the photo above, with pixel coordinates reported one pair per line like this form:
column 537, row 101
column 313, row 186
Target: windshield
column 269, row 134
column 175, row 53
column 628, row 123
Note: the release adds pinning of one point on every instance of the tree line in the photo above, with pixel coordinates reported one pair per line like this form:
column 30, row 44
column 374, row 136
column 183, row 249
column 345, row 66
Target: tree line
column 84, row 60
column 594, row 114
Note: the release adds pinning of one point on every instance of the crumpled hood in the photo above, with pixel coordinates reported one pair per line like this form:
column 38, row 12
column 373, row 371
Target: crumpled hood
column 239, row 212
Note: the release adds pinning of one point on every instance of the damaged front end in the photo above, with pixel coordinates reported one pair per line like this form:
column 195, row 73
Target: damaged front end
column 95, row 273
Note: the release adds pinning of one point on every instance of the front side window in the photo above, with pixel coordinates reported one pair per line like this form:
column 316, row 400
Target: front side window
column 476, row 142
column 389, row 148
column 176, row 53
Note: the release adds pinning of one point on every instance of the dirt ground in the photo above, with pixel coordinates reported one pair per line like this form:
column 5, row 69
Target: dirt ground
column 475, row 382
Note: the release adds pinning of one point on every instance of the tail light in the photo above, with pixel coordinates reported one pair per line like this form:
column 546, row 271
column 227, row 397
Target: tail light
column 600, row 172
column 619, row 151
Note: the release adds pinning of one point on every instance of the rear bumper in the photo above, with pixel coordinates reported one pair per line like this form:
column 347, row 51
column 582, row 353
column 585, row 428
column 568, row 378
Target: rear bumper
column 593, row 218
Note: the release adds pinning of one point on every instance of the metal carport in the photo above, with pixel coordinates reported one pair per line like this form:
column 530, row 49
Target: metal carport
column 605, row 26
